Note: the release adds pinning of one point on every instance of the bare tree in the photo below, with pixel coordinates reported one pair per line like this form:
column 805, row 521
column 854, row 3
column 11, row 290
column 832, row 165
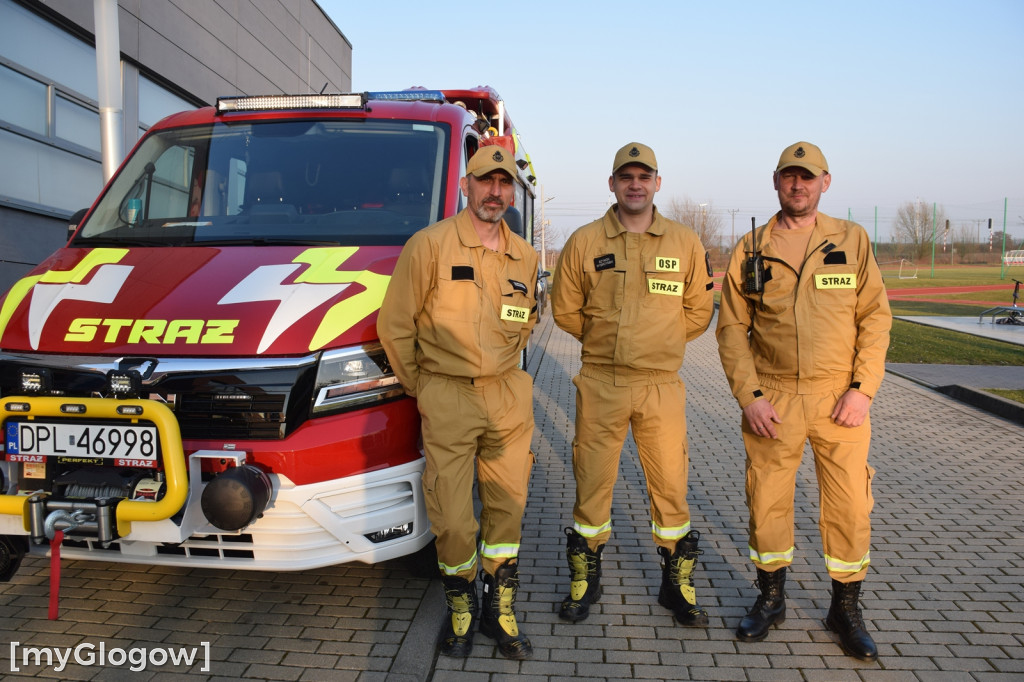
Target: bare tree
column 917, row 224
column 547, row 240
column 965, row 240
column 701, row 217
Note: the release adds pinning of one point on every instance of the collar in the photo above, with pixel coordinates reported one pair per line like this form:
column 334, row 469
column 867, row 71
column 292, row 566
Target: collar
column 613, row 228
column 471, row 240
column 824, row 226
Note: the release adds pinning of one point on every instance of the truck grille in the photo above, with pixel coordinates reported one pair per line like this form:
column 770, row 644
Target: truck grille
column 212, row 399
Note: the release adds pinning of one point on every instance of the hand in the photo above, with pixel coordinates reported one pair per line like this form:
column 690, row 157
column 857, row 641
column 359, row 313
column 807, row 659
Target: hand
column 851, row 409
column 762, row 418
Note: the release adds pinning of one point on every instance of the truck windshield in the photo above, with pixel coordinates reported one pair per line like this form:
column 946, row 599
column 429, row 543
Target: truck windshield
column 343, row 181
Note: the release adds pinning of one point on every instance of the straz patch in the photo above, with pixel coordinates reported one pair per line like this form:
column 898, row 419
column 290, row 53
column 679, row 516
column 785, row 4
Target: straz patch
column 605, row 262
column 513, row 313
column 664, row 264
column 664, row 287
column 835, row 281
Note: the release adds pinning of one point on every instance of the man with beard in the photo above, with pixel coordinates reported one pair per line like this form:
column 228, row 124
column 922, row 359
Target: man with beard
column 457, row 314
column 634, row 288
column 802, row 334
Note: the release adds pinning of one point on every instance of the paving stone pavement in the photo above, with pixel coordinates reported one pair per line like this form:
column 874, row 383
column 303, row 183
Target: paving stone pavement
column 943, row 599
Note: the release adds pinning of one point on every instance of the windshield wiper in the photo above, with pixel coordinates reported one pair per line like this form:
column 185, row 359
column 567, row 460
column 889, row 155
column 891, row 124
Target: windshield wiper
column 266, row 241
column 93, row 242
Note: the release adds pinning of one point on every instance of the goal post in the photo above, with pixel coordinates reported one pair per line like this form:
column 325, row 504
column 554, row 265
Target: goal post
column 900, row 269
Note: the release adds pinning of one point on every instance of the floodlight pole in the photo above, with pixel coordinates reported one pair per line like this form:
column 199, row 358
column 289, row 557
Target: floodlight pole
column 108, row 76
column 934, row 219
column 1002, row 257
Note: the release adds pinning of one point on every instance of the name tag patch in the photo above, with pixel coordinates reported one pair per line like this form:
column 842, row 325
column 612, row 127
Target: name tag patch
column 462, row 272
column 605, row 262
column 664, row 264
column 836, row 281
column 665, row 288
column 515, row 314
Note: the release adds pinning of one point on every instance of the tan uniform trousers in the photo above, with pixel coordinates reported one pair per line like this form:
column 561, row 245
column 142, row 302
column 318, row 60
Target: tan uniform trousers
column 487, row 423
column 608, row 402
column 844, row 481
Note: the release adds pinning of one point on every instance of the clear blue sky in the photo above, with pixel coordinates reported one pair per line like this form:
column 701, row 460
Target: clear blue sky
column 909, row 100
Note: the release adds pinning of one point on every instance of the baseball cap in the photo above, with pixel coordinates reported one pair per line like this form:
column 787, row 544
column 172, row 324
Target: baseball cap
column 804, row 155
column 491, row 158
column 634, row 152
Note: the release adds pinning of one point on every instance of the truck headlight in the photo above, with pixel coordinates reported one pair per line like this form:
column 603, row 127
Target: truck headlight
column 351, row 377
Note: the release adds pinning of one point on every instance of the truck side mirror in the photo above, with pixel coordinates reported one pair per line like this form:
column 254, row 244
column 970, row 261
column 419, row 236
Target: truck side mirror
column 76, row 218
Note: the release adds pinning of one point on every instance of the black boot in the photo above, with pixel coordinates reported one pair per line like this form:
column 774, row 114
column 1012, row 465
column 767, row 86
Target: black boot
column 456, row 638
column 585, row 569
column 677, row 592
column 498, row 619
column 844, row 618
column 770, row 607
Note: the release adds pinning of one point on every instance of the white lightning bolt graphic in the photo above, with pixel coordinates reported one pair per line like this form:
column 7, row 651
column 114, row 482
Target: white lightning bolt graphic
column 46, row 297
column 264, row 284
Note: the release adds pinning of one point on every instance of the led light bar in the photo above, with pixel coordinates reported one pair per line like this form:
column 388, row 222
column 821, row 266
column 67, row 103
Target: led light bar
column 36, row 381
column 124, row 384
column 271, row 102
column 408, row 96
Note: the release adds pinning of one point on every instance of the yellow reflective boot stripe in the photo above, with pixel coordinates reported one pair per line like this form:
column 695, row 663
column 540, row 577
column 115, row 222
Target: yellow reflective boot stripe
column 506, row 551
column 592, row 531
column 771, row 557
column 579, row 564
column 506, row 598
column 674, row 533
column 834, row 564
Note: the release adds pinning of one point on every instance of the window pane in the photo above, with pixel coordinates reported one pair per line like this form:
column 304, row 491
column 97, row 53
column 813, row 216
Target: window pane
column 344, row 181
column 77, row 124
column 31, row 41
column 156, row 102
column 43, row 175
column 23, row 102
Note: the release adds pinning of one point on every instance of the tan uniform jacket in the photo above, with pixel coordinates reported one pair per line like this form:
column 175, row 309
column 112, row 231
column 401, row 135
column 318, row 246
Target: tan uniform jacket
column 634, row 300
column 454, row 307
column 832, row 320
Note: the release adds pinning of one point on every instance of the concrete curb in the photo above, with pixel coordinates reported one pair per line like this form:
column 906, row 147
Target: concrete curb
column 997, row 405
column 975, row 397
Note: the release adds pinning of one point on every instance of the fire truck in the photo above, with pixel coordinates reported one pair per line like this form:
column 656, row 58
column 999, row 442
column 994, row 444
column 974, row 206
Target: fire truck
column 195, row 379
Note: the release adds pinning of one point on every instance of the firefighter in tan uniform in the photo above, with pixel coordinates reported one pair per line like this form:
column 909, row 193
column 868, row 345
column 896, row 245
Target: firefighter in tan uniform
column 457, row 314
column 803, row 339
column 634, row 288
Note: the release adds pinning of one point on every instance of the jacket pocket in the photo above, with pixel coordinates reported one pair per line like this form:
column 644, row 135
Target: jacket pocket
column 664, row 289
column 835, row 286
column 604, row 288
column 458, row 297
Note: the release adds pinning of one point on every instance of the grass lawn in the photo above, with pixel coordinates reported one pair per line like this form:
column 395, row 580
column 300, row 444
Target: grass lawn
column 921, row 344
column 959, row 276
column 918, row 343
column 1009, row 395
column 910, row 342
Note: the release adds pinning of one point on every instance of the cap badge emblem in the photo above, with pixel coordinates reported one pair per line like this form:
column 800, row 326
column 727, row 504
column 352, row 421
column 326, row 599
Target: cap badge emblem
column 799, row 153
column 498, row 158
column 634, row 152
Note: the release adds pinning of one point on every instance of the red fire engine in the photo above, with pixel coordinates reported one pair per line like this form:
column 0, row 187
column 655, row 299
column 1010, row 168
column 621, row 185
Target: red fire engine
column 195, row 379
